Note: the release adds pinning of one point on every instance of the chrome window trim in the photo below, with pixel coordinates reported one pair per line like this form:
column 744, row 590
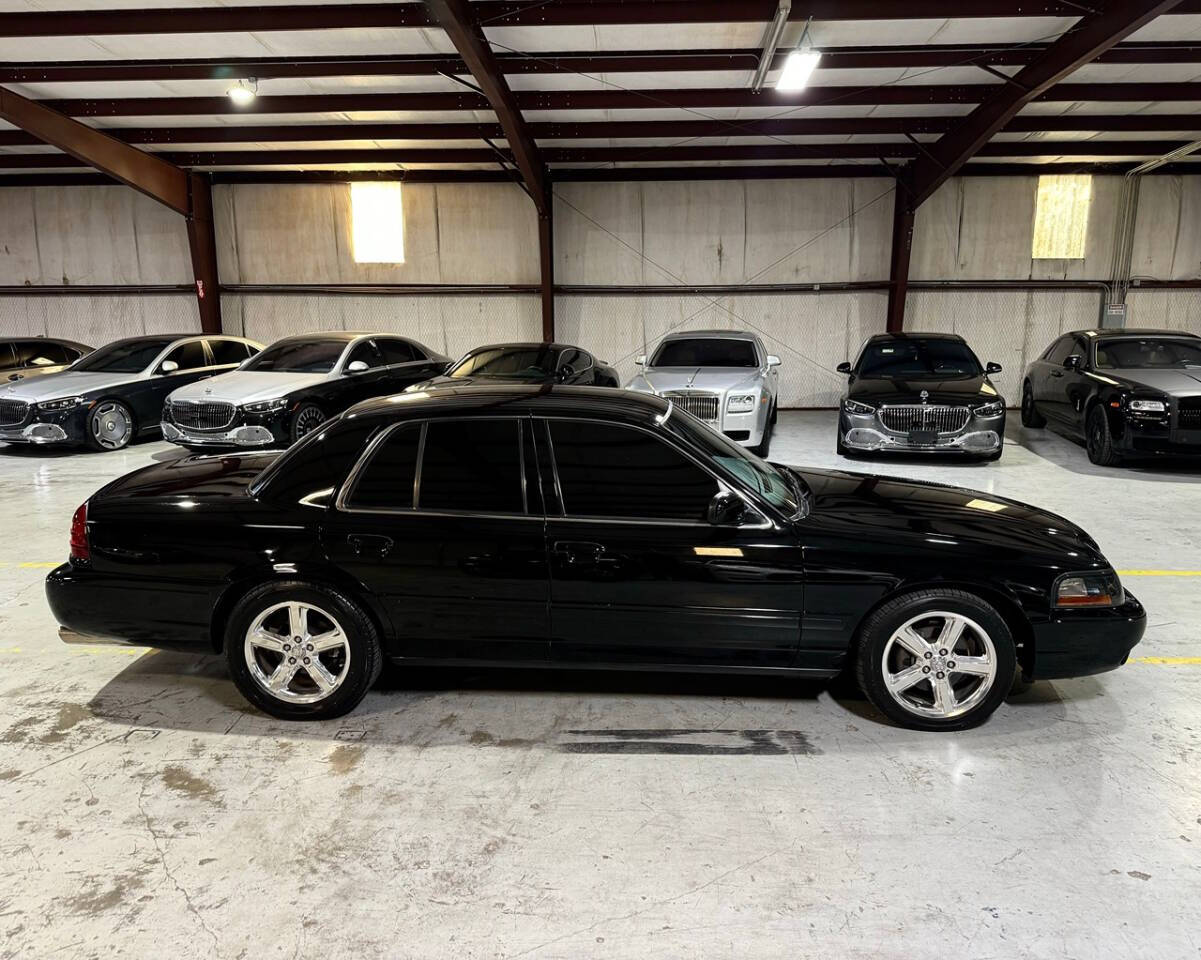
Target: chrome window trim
column 341, row 502
column 722, row 485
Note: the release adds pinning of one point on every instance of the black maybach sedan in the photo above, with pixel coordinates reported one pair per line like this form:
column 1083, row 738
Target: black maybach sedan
column 1127, row 393
column 503, row 363
column 583, row 527
column 920, row 393
column 293, row 387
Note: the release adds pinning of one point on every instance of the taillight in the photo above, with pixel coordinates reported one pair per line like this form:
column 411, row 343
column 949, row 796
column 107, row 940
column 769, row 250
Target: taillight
column 80, row 548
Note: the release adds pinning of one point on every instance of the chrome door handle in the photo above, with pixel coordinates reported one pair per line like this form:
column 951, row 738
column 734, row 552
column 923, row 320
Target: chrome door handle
column 369, row 543
column 576, row 551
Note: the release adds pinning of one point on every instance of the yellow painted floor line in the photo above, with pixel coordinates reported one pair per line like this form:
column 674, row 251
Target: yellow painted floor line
column 1168, row 661
column 1159, row 573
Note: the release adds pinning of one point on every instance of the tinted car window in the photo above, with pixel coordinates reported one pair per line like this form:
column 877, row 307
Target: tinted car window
column 1060, row 350
column 613, row 471
column 125, row 356
column 40, row 353
column 706, row 352
column 368, row 353
column 189, row 356
column 917, row 359
column 228, row 351
column 513, row 362
column 398, row 351
column 299, row 356
column 8, row 359
column 471, row 465
column 311, row 470
column 386, row 483
column 1149, row 353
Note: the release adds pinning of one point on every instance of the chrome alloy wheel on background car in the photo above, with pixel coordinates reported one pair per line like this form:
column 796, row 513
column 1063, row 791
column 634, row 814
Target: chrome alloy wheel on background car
column 111, row 425
column 297, row 652
column 308, row 419
column 939, row 665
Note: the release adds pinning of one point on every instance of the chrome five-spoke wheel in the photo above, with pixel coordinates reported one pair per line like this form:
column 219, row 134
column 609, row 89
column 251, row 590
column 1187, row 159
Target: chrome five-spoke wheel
column 939, row 665
column 297, row 652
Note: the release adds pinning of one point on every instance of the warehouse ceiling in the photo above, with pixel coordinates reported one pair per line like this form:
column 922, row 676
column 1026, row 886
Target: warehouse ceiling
column 608, row 88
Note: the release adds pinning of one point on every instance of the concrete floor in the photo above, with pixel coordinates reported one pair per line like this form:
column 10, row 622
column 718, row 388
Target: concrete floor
column 149, row 812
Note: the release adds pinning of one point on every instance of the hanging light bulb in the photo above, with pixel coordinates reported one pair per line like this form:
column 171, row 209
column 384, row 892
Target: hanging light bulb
column 243, row 95
column 800, row 64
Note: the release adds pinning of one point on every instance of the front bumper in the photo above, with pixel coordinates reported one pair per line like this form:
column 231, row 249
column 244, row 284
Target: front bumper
column 246, row 431
column 1138, row 435
column 46, row 428
column 980, row 436
column 1079, row 643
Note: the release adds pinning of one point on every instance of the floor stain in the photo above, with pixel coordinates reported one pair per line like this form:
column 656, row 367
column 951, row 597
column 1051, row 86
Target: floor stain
column 181, row 781
column 69, row 714
column 9, row 775
column 692, row 742
column 16, row 733
column 97, row 900
column 344, row 759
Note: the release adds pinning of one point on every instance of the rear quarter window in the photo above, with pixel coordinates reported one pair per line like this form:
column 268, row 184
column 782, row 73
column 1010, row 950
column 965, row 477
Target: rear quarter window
column 309, row 473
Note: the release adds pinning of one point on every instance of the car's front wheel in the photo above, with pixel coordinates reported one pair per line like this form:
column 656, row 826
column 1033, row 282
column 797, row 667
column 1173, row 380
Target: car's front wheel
column 110, row 426
column 307, row 418
column 300, row 651
column 936, row 659
column 1098, row 439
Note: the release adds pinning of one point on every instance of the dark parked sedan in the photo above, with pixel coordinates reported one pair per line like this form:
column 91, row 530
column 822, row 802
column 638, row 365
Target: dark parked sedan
column 501, row 363
column 920, row 393
column 36, row 356
column 1128, row 393
column 583, row 527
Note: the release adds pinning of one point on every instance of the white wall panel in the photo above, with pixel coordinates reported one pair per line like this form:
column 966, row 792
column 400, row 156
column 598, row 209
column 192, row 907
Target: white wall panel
column 96, row 320
column 1167, row 309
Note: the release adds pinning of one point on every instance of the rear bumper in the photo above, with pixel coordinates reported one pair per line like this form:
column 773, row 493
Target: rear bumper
column 1080, row 643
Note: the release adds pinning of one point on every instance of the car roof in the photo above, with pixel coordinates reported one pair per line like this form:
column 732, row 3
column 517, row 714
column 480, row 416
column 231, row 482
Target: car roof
column 712, row 335
column 915, row 335
column 526, row 345
column 1133, row 332
column 547, row 399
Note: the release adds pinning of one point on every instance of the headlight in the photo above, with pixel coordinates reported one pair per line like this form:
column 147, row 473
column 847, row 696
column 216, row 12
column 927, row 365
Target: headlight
column 994, row 409
column 1089, row 590
column 740, row 403
column 854, row 406
column 65, row 404
column 1147, row 406
column 266, row 406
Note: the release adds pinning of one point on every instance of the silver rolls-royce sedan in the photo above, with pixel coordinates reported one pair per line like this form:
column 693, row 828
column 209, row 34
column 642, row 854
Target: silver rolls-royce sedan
column 724, row 377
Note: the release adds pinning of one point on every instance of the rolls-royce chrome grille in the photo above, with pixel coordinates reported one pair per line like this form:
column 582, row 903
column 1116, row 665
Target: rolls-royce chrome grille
column 1188, row 414
column 906, row 417
column 701, row 405
column 13, row 412
column 204, row 415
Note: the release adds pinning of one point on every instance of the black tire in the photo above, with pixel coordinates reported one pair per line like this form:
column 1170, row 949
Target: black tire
column 1030, row 415
column 775, row 412
column 358, row 661
column 995, row 455
column 1098, row 440
column 764, row 446
column 878, row 630
column 110, row 425
column 308, row 417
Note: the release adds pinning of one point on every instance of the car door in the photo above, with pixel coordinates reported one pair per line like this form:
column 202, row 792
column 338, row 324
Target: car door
column 443, row 522
column 406, row 363
column 146, row 396
column 1048, row 380
column 1076, row 385
column 365, row 384
column 639, row 576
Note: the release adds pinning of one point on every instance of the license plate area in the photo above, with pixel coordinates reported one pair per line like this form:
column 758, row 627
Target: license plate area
column 923, row 438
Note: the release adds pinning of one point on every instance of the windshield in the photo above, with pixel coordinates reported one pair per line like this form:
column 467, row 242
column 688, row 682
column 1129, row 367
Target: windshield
column 299, row 356
column 124, row 356
column 917, row 360
column 1148, row 353
column 706, row 352
column 773, row 484
column 514, row 363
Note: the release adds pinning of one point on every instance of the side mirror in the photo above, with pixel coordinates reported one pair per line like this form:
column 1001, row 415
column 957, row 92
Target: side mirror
column 640, row 360
column 356, row 366
column 773, row 360
column 844, row 367
column 992, row 367
column 725, row 508
column 566, row 372
column 168, row 366
column 1074, row 362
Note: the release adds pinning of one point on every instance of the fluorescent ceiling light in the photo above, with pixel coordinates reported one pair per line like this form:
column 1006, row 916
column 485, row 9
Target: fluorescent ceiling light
column 798, row 68
column 241, row 94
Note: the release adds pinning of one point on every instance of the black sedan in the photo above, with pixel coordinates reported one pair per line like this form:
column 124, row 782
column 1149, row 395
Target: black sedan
column 27, row 357
column 583, row 527
column 920, row 393
column 500, row 363
column 1128, row 393
column 114, row 394
column 293, row 387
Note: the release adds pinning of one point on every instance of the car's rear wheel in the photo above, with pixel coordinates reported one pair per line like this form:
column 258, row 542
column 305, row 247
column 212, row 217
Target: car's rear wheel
column 302, row 652
column 1030, row 415
column 110, row 426
column 936, row 659
column 307, row 418
column 1098, row 439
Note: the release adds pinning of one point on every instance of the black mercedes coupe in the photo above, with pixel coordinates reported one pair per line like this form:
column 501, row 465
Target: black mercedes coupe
column 1128, row 393
column 920, row 393
column 583, row 527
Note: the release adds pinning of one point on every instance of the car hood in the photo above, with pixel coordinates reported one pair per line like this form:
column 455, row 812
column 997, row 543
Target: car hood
column 67, row 383
column 247, row 386
column 864, row 504
column 954, row 392
column 713, row 379
column 1182, row 383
